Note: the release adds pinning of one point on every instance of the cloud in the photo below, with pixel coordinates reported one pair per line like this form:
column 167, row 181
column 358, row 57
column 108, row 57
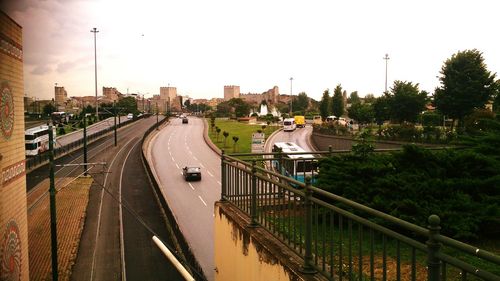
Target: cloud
column 65, row 66
column 41, row 70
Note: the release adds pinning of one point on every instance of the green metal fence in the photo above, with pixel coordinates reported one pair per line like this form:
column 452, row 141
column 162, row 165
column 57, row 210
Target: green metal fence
column 341, row 239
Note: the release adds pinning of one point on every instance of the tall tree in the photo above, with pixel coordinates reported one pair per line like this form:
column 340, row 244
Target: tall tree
column 338, row 102
column 48, row 108
column 466, row 84
column 406, row 102
column 324, row 105
column 369, row 98
column 381, row 109
column 354, row 98
column 241, row 108
column 128, row 104
column 361, row 112
column 301, row 102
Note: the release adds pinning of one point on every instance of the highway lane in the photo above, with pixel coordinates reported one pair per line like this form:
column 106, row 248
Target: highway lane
column 300, row 136
column 192, row 203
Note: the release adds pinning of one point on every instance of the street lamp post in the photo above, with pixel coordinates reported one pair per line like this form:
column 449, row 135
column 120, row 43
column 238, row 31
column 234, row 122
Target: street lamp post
column 386, row 58
column 94, row 30
column 291, row 95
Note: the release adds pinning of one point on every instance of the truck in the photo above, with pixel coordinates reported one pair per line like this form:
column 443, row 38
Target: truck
column 300, row 121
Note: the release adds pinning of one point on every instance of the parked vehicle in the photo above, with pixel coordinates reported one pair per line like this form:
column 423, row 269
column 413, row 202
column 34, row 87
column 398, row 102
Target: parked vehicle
column 289, row 124
column 331, row 118
column 37, row 140
column 317, row 120
column 130, row 116
column 185, row 120
column 191, row 173
column 300, row 121
column 59, row 117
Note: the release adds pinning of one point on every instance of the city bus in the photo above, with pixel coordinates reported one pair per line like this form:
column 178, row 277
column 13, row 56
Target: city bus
column 289, row 124
column 296, row 166
column 37, row 140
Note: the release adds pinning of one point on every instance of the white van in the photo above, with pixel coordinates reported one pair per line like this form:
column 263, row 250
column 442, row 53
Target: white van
column 289, row 124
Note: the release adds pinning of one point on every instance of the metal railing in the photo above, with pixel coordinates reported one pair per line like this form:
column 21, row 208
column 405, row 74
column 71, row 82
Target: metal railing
column 341, row 239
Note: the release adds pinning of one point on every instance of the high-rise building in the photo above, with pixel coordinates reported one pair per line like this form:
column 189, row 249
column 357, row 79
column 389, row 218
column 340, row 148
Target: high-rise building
column 231, row 92
column 14, row 263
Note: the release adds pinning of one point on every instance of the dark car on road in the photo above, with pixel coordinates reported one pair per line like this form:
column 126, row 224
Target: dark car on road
column 184, row 120
column 191, row 173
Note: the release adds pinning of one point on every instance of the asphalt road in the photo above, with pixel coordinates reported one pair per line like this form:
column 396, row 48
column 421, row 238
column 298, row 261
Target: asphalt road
column 116, row 244
column 300, row 136
column 175, row 146
column 94, row 128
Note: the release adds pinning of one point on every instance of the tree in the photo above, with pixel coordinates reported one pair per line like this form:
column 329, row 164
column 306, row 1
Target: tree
column 235, row 139
column 406, row 102
column 466, row 85
column 363, row 113
column 241, row 108
column 381, row 109
column 301, row 102
column 338, row 102
column 48, row 109
column 217, row 132
column 128, row 105
column 369, row 98
column 224, row 109
column 225, row 134
column 354, row 98
column 324, row 105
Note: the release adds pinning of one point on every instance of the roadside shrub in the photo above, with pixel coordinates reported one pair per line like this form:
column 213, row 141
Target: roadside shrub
column 61, row 131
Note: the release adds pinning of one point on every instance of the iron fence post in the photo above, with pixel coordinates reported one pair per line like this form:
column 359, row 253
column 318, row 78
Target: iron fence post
column 253, row 194
column 308, row 258
column 85, row 144
column 433, row 263
column 53, row 219
column 223, row 179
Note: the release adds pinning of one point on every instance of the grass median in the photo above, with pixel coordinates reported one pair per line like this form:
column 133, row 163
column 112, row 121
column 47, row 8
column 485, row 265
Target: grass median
column 241, row 130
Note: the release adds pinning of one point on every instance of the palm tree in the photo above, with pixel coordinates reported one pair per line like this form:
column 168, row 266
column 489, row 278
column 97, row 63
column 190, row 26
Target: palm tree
column 225, row 134
column 235, row 139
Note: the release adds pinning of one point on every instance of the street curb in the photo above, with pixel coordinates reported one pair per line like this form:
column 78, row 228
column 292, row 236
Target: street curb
column 207, row 138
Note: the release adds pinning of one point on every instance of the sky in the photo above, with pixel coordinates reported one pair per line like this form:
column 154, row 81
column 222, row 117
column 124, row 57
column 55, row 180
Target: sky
column 198, row 46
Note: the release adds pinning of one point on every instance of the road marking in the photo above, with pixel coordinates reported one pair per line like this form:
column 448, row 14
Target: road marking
column 177, row 165
column 182, row 174
column 190, row 185
column 210, row 173
column 219, row 183
column 202, row 200
column 170, row 153
column 190, row 151
column 173, row 160
column 202, row 165
column 195, row 158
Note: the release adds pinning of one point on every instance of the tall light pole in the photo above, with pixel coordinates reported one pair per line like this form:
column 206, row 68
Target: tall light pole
column 291, row 96
column 386, row 58
column 94, row 30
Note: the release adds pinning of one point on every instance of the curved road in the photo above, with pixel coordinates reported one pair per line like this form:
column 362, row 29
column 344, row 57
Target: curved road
column 192, row 203
column 300, row 136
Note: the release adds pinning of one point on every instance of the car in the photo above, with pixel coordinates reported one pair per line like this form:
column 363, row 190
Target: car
column 130, row 116
column 191, row 173
column 184, row 120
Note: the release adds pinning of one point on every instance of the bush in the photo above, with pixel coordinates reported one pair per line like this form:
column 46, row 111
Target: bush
column 61, row 131
column 460, row 186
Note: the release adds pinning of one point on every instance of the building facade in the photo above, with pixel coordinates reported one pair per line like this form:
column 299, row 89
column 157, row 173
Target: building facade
column 60, row 98
column 231, row 92
column 111, row 94
column 14, row 263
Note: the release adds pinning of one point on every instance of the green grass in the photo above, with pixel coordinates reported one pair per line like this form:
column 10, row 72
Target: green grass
column 242, row 130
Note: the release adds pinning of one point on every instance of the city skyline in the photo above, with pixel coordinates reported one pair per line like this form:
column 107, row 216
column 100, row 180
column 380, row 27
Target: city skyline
column 198, row 47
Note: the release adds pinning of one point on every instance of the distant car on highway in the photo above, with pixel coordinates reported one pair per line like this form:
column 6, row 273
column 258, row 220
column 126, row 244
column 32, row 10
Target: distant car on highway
column 191, row 173
column 185, row 120
column 130, row 116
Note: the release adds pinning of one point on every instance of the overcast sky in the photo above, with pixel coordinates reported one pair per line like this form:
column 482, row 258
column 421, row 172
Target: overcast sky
column 200, row 46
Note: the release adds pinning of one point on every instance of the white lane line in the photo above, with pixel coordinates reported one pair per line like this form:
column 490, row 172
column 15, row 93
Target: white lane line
column 182, row 174
column 202, row 165
column 177, row 165
column 190, row 152
column 173, row 160
column 202, row 200
column 190, row 185
column 195, row 158
column 219, row 183
column 170, row 153
column 210, row 173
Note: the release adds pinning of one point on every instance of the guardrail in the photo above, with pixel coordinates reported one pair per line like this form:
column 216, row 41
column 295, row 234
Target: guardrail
column 341, row 239
column 43, row 158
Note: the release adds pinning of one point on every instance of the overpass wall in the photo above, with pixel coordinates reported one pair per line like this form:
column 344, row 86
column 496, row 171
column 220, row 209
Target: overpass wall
column 251, row 253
